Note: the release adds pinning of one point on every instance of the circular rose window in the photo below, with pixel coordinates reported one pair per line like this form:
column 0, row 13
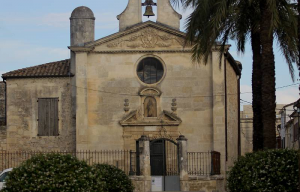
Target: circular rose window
column 150, row 70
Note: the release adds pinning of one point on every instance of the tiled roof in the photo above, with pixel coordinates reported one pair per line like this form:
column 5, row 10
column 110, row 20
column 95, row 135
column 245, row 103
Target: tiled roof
column 53, row 69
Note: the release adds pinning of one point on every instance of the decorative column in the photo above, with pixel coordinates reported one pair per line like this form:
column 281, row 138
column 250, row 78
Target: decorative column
column 183, row 163
column 144, row 150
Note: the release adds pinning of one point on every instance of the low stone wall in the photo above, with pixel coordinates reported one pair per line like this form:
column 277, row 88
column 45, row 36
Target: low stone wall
column 206, row 184
column 195, row 183
column 139, row 183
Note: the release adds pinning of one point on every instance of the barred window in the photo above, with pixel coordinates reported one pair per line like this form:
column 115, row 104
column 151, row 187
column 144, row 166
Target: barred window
column 48, row 117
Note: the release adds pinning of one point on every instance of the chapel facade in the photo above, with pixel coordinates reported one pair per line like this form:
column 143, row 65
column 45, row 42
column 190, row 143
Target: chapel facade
column 137, row 82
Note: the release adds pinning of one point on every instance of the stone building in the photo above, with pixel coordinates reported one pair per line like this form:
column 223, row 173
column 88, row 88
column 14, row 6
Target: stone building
column 289, row 128
column 137, row 83
column 246, row 123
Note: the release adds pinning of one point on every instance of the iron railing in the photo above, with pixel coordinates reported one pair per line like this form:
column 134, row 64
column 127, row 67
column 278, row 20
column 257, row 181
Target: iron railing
column 118, row 158
column 199, row 163
column 204, row 163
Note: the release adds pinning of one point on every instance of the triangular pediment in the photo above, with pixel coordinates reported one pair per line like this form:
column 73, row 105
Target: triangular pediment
column 144, row 36
column 165, row 118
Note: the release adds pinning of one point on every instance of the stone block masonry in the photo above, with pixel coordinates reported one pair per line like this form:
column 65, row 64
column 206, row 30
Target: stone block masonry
column 2, row 117
column 2, row 103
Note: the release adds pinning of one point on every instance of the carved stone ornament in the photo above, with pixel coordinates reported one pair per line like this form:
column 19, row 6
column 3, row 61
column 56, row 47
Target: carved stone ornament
column 166, row 118
column 150, row 92
column 126, row 105
column 174, row 105
column 147, row 38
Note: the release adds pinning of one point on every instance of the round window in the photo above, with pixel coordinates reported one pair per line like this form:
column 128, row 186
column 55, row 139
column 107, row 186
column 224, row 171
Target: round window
column 150, row 70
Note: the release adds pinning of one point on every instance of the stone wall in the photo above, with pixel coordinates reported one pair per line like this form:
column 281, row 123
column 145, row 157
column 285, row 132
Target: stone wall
column 246, row 129
column 2, row 117
column 2, row 103
column 232, row 115
column 138, row 183
column 22, row 114
column 112, row 79
column 199, row 184
column 2, row 137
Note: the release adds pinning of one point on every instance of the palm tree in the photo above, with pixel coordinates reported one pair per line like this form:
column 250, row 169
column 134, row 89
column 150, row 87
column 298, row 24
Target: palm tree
column 214, row 20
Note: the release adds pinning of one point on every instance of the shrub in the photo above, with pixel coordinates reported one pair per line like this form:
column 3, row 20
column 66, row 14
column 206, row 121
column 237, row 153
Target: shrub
column 115, row 179
column 270, row 171
column 51, row 172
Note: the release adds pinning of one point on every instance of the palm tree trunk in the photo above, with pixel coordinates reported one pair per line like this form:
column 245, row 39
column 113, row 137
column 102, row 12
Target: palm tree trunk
column 298, row 35
column 268, row 77
column 299, row 74
column 256, row 91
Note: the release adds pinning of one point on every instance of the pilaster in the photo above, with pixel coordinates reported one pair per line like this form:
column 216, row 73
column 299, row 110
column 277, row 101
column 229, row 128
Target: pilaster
column 144, row 150
column 219, row 127
column 80, row 90
column 183, row 163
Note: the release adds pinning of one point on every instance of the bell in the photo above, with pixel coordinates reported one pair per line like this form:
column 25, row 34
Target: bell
column 149, row 12
column 148, row 2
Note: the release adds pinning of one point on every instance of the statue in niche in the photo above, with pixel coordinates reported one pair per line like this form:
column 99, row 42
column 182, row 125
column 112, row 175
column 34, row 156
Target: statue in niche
column 150, row 107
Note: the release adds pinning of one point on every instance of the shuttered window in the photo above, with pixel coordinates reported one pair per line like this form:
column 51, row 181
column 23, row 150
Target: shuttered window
column 48, row 117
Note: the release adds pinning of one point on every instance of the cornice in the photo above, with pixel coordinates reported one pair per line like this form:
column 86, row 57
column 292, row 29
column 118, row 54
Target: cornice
column 141, row 51
column 80, row 49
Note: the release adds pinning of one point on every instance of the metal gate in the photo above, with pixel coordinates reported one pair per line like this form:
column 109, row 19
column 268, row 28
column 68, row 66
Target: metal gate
column 164, row 165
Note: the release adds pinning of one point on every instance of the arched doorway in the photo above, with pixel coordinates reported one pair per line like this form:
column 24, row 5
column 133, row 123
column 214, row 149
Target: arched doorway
column 164, row 165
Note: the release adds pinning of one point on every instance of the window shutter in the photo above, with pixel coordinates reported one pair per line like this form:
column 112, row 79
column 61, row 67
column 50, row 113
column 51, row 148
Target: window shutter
column 48, row 117
column 42, row 124
column 54, row 107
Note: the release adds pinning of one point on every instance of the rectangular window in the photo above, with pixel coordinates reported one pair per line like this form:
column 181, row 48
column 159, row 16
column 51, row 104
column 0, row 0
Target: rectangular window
column 48, row 117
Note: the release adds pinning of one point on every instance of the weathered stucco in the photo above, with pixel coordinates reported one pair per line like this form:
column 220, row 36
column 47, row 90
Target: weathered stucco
column 22, row 114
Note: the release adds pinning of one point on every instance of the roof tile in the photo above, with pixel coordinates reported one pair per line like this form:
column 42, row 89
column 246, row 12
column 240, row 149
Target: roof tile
column 55, row 69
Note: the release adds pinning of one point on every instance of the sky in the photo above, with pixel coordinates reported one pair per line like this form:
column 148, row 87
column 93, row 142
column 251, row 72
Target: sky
column 35, row 32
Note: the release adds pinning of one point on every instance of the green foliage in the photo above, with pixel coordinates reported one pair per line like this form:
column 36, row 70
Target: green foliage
column 52, row 172
column 270, row 171
column 115, row 179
